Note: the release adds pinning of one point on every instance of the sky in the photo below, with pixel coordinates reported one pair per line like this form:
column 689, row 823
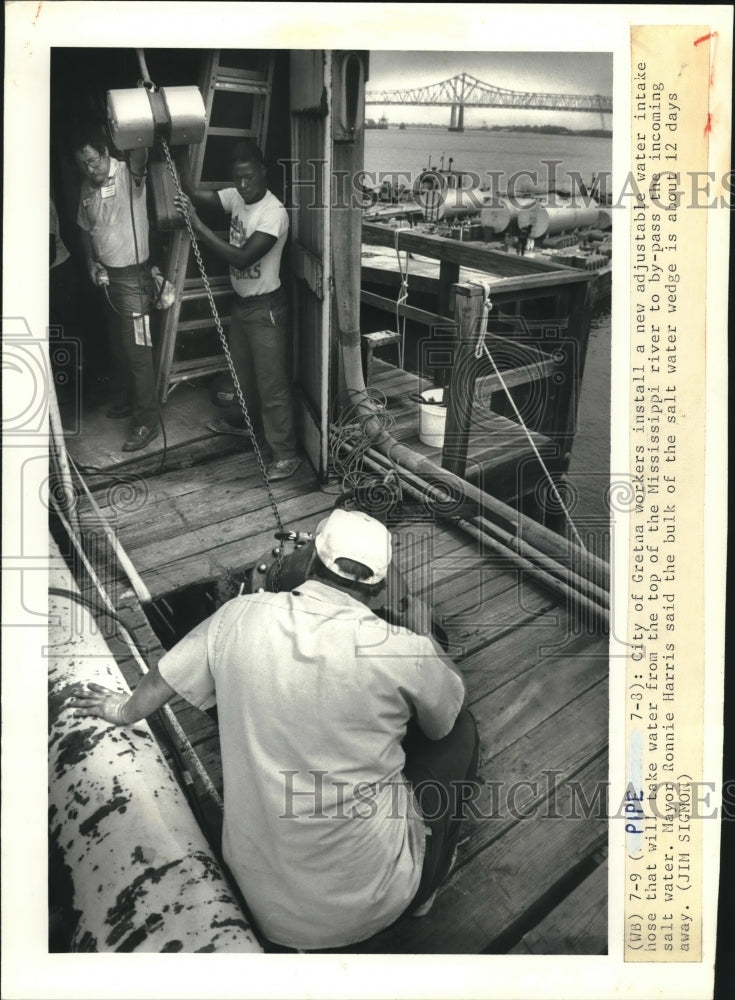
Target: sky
column 551, row 72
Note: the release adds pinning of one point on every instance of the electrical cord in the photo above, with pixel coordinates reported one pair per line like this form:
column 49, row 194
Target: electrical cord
column 143, row 315
column 80, row 599
column 350, row 440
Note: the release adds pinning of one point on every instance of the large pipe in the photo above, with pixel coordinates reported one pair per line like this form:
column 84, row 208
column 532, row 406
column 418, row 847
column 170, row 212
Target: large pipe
column 552, row 219
column 141, row 875
column 560, row 578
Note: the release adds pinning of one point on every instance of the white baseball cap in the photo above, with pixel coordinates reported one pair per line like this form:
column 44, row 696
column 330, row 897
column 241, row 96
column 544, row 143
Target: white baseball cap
column 350, row 534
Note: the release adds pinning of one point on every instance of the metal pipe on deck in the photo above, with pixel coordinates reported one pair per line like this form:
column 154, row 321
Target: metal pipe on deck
column 549, row 220
column 558, row 577
column 405, row 458
column 142, row 876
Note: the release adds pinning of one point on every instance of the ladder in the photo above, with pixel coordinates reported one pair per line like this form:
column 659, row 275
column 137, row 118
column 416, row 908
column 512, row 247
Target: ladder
column 236, row 86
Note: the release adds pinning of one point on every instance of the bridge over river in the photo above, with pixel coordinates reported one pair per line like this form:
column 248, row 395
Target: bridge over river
column 466, row 91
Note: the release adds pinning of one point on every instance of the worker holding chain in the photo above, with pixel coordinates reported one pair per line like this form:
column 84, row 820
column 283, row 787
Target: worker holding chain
column 259, row 330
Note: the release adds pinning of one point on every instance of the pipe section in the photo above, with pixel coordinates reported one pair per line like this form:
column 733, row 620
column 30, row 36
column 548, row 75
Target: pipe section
column 142, row 876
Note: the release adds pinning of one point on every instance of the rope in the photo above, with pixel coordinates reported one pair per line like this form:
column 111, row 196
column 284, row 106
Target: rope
column 228, row 356
column 479, row 349
column 402, row 294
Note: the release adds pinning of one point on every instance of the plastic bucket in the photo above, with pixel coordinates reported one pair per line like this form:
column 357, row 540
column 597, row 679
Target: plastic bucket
column 432, row 417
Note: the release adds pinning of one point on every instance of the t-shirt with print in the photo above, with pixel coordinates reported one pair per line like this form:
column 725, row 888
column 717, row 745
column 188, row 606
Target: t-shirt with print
column 105, row 214
column 265, row 216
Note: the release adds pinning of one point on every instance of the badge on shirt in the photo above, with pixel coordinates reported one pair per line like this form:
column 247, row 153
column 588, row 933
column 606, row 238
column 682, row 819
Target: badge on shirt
column 108, row 190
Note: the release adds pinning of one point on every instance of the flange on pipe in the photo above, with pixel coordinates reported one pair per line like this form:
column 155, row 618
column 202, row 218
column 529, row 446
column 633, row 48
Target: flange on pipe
column 140, row 116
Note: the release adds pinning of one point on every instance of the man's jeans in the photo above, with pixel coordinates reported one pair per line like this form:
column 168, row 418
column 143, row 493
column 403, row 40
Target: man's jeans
column 258, row 342
column 132, row 378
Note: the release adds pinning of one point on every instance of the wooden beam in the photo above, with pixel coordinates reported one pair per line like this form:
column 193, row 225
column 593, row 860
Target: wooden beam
column 467, row 313
column 478, row 256
column 410, row 312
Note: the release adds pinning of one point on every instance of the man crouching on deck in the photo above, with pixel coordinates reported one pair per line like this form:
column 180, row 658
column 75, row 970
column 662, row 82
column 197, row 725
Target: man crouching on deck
column 345, row 745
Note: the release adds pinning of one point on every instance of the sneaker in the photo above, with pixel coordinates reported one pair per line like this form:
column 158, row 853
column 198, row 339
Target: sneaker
column 140, row 437
column 220, row 425
column 283, row 469
column 119, row 412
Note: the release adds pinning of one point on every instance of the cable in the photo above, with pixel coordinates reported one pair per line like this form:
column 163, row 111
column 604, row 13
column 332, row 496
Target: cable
column 228, row 356
column 85, row 603
column 143, row 313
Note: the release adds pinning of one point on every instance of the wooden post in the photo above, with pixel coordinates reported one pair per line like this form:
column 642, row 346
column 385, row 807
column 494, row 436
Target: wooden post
column 468, row 302
column 562, row 414
column 448, row 276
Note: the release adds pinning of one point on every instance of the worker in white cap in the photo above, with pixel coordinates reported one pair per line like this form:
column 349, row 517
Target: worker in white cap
column 346, row 746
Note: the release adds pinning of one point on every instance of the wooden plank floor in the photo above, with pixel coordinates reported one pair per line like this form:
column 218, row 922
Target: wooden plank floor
column 496, row 445
column 537, row 680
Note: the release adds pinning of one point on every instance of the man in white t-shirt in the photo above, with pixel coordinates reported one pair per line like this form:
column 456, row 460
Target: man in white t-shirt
column 258, row 336
column 347, row 749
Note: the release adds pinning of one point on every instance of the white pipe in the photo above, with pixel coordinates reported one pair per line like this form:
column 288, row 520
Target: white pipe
column 143, row 877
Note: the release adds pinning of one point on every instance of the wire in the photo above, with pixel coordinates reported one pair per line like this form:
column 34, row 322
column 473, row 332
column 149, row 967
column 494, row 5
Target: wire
column 97, row 609
column 143, row 312
column 351, row 438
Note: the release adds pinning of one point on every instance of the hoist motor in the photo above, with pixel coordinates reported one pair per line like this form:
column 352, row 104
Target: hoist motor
column 139, row 116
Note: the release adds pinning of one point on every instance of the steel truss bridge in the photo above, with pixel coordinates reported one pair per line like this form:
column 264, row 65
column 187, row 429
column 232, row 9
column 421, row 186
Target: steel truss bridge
column 466, row 91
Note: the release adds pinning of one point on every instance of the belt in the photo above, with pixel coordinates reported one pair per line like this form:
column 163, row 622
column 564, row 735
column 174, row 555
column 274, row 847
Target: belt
column 256, row 298
column 121, row 272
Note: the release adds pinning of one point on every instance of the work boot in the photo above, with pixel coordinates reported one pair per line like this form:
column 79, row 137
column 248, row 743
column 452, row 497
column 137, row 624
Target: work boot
column 140, row 437
column 282, row 469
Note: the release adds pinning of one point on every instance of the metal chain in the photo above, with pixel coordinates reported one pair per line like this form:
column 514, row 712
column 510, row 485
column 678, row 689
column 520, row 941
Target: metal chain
column 228, row 356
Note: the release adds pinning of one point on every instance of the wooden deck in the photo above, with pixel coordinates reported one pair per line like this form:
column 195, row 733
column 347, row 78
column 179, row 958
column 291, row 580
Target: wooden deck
column 525, row 882
column 497, row 444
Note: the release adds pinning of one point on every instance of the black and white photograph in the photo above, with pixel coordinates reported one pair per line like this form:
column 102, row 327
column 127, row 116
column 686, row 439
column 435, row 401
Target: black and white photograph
column 334, row 522
column 425, row 414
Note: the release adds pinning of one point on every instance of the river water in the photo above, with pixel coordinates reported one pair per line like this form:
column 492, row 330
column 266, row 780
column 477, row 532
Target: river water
column 407, row 151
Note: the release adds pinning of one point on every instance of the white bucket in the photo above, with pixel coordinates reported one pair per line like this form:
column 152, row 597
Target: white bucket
column 432, row 418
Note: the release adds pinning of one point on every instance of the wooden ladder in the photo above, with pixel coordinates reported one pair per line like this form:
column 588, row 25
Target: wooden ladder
column 236, row 86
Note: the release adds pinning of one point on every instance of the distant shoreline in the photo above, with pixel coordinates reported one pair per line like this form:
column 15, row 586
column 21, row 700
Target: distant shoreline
column 595, row 133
